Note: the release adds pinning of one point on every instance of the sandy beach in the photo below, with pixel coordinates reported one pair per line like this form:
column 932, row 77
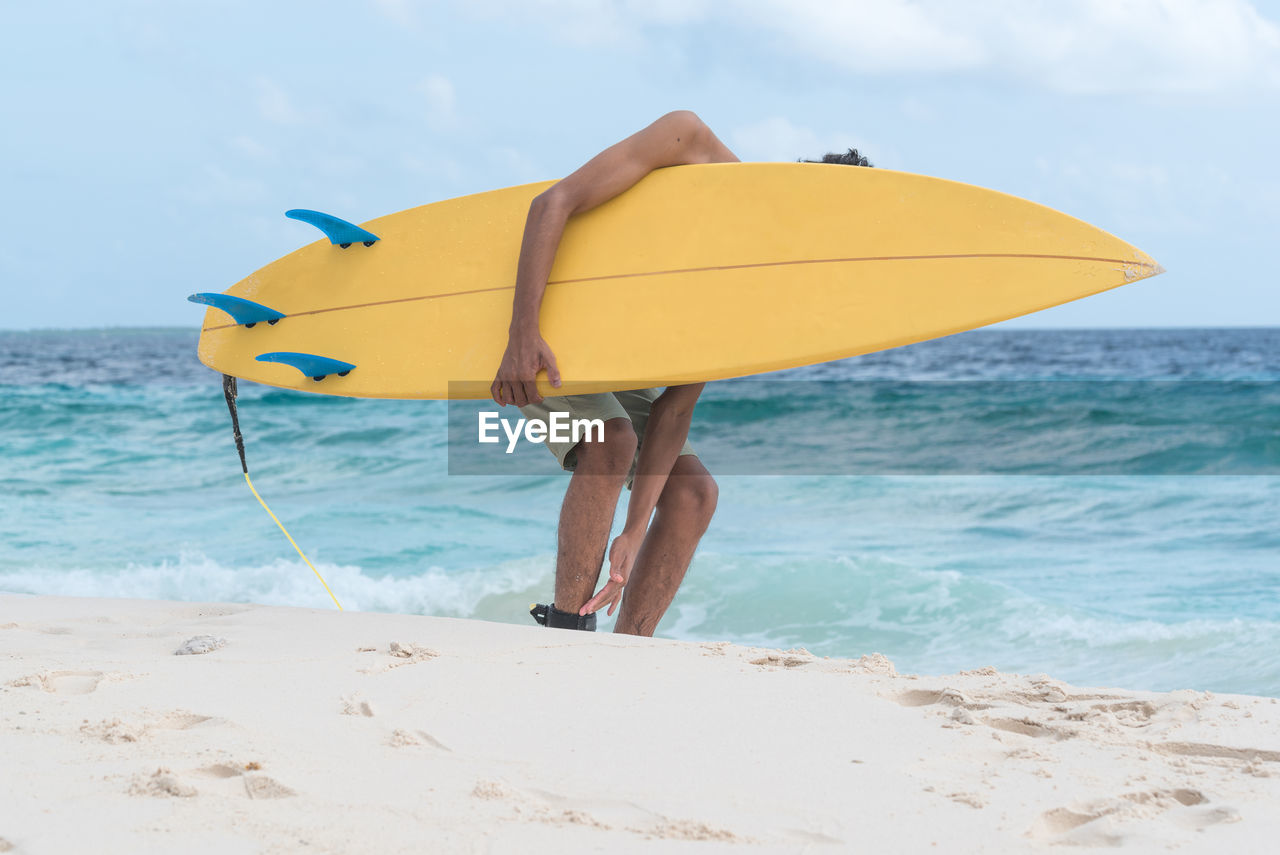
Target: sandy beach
column 303, row 730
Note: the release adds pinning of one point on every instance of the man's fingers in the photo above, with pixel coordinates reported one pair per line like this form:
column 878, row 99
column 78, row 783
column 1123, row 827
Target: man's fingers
column 530, row 391
column 620, row 568
column 553, row 370
column 617, row 564
column 496, row 391
column 590, row 605
column 610, row 591
column 518, row 396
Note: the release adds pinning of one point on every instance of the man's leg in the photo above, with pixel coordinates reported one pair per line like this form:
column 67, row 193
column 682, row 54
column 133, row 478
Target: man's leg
column 684, row 510
column 587, row 514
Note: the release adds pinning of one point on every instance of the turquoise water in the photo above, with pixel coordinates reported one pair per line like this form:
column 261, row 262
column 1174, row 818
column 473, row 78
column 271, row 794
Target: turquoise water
column 121, row 480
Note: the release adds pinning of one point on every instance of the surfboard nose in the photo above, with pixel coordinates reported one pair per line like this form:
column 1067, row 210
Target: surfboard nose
column 1141, row 266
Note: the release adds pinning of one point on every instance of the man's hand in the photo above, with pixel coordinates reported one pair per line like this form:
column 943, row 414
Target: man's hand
column 517, row 379
column 622, row 556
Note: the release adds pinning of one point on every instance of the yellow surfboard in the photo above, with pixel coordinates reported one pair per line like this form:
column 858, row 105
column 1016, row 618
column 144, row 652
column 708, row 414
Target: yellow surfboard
column 696, row 273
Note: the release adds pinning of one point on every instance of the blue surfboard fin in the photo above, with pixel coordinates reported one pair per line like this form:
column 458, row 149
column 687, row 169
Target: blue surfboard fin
column 337, row 231
column 241, row 310
column 315, row 367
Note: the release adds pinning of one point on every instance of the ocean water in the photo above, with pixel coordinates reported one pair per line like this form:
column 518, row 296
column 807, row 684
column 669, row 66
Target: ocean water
column 1064, row 518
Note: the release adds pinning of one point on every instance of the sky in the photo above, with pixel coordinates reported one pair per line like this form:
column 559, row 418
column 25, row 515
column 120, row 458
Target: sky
column 150, row 149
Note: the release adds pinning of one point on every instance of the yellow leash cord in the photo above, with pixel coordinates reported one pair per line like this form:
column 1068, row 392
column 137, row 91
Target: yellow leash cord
column 291, row 540
column 229, row 390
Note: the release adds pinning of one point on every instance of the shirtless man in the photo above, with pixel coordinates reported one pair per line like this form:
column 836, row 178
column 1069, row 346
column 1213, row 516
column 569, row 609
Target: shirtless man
column 648, row 560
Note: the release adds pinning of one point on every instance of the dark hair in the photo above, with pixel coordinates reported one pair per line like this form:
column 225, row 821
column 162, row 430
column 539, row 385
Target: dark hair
column 849, row 158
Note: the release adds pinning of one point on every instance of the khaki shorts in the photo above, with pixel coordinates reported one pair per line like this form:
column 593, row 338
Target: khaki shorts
column 633, row 405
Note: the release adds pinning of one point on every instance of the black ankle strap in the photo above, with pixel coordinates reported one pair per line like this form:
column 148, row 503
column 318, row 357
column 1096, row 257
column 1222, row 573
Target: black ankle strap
column 552, row 617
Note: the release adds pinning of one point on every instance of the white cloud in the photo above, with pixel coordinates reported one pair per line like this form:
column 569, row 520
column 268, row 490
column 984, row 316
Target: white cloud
column 870, row 35
column 1082, row 46
column 1140, row 45
column 670, row 11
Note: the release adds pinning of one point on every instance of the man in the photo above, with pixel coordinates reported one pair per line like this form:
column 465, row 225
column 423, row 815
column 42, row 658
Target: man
column 648, row 560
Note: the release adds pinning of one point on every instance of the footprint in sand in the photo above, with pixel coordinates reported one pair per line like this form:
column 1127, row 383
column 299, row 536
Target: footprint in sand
column 161, row 783
column 946, row 696
column 402, row 738
column 178, row 720
column 255, row 786
column 1128, row 713
column 164, row 783
column 1059, row 821
column 804, row 836
column 1201, row 749
column 62, row 682
column 789, row 659
column 687, row 829
column 403, row 653
column 114, row 731
column 1074, row 824
column 532, row 805
column 963, row 797
column 220, row 770
column 262, row 787
column 1028, row 727
column 536, row 806
column 355, row 705
column 962, row 705
column 490, row 791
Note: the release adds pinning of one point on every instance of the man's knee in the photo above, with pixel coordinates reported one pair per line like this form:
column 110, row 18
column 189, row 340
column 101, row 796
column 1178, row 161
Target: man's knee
column 612, row 454
column 691, row 497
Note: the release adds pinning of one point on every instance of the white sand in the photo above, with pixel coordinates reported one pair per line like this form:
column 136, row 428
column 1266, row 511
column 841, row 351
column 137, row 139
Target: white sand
column 302, row 730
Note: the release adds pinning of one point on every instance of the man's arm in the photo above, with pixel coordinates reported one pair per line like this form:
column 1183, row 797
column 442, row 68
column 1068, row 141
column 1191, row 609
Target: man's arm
column 664, row 435
column 676, row 138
